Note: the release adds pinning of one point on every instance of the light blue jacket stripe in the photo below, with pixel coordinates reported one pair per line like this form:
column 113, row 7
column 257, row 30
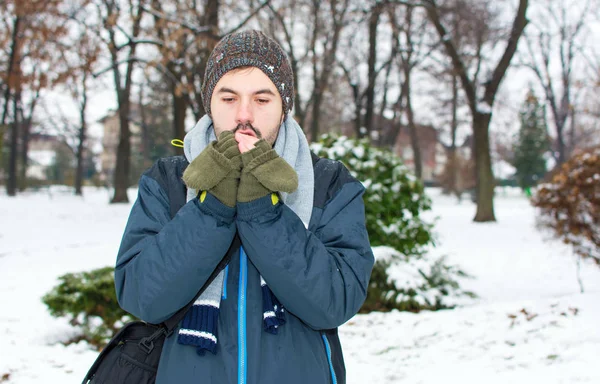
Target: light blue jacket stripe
column 328, row 350
column 242, row 350
column 225, row 282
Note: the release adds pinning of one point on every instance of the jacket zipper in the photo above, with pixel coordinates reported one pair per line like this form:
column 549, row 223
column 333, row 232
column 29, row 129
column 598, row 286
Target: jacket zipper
column 328, row 350
column 242, row 353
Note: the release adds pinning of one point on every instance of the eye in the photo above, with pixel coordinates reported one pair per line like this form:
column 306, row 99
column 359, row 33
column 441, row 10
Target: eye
column 228, row 99
column 263, row 101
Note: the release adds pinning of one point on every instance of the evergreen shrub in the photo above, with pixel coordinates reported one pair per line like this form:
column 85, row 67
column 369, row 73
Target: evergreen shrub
column 89, row 301
column 394, row 203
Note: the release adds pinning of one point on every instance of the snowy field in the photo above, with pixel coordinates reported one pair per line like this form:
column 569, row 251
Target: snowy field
column 530, row 325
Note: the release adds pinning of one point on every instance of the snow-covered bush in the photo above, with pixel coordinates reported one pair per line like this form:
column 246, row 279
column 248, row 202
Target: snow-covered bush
column 403, row 277
column 412, row 284
column 394, row 198
column 89, row 301
column 569, row 205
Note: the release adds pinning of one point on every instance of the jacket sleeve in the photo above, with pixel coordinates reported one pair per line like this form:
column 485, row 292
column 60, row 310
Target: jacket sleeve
column 162, row 262
column 319, row 277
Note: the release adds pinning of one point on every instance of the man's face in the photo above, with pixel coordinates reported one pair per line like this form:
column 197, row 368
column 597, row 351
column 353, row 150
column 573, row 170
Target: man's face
column 247, row 102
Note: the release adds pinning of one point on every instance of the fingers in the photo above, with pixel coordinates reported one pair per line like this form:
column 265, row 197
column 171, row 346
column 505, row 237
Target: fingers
column 245, row 142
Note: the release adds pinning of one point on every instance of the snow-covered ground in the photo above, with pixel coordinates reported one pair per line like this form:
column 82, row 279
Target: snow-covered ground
column 530, row 325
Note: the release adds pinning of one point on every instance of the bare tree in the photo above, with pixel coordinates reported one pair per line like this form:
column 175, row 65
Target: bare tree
column 33, row 30
column 186, row 37
column 358, row 64
column 120, row 31
column 557, row 34
column 374, row 16
column 78, row 69
column 25, row 122
column 187, row 34
column 322, row 69
column 282, row 21
column 410, row 38
column 481, row 107
column 472, row 30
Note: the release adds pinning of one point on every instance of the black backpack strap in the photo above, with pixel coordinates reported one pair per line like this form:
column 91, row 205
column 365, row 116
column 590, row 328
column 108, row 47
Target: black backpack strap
column 176, row 188
column 174, row 320
column 314, row 158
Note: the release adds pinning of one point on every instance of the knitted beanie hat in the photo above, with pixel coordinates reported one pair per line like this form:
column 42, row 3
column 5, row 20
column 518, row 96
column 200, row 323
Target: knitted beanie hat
column 249, row 49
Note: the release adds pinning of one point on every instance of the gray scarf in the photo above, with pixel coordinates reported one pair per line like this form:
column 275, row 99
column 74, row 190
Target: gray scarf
column 199, row 326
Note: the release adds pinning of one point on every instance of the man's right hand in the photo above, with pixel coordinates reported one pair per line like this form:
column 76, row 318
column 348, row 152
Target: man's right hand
column 245, row 142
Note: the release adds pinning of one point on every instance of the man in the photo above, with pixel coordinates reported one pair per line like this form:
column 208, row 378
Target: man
column 293, row 225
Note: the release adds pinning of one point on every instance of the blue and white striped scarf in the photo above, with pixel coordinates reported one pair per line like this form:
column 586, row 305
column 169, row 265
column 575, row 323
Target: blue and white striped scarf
column 199, row 327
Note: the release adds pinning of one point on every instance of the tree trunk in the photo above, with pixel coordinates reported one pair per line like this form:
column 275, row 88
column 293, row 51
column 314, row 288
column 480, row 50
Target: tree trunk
column 572, row 135
column 370, row 92
column 26, row 128
column 356, row 96
column 121, row 182
column 357, row 109
column 316, row 113
column 412, row 129
column 392, row 136
column 179, row 111
column 145, row 131
column 11, row 63
column 560, row 141
column 211, row 13
column 452, row 159
column 321, row 81
column 11, row 184
column 123, row 161
column 483, row 168
column 24, row 153
column 2, row 133
column 481, row 120
column 81, row 144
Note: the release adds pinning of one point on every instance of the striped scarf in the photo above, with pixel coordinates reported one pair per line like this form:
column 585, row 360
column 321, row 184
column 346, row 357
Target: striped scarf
column 199, row 327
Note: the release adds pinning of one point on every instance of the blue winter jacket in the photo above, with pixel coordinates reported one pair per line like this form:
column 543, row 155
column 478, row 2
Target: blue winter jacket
column 320, row 275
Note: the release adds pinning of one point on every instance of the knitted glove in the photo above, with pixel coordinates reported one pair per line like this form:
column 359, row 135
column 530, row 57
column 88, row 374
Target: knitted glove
column 264, row 172
column 217, row 169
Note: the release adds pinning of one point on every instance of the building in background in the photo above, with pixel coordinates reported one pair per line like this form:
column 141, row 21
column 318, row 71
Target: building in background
column 110, row 141
column 433, row 155
column 151, row 134
column 42, row 154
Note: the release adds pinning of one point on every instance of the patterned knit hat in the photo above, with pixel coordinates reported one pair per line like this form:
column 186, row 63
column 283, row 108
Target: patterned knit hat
column 249, row 49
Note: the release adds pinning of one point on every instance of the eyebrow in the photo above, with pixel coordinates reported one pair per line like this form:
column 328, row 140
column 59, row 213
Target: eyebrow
column 259, row 92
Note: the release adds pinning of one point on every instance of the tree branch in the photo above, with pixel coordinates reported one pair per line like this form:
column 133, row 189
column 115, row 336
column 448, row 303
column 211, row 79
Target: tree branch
column 519, row 24
column 163, row 16
column 457, row 62
column 250, row 16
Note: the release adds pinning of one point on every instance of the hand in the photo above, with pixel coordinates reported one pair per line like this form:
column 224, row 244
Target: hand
column 245, row 142
column 264, row 172
column 217, row 169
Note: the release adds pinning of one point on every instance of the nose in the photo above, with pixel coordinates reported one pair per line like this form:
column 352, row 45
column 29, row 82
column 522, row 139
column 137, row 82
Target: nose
column 244, row 113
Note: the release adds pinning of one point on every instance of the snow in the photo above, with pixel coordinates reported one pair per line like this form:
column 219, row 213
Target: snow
column 529, row 325
column 484, row 108
column 503, row 169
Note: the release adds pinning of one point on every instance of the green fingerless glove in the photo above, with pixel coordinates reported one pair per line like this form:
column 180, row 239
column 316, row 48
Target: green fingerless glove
column 264, row 172
column 217, row 169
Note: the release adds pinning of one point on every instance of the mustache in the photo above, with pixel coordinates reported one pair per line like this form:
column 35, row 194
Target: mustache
column 247, row 126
